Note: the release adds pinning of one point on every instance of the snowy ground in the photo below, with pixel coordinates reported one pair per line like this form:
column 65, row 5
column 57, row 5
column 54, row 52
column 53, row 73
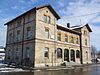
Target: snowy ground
column 4, row 68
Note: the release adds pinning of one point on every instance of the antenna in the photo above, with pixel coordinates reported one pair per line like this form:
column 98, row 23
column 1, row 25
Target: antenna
column 80, row 22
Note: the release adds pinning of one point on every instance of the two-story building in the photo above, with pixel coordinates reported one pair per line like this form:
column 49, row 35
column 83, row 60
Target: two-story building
column 35, row 39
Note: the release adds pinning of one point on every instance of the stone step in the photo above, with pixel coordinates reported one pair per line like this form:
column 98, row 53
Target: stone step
column 71, row 63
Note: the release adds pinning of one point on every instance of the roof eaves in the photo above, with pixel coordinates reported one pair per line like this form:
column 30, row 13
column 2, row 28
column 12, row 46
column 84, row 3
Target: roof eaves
column 67, row 29
column 20, row 15
column 51, row 9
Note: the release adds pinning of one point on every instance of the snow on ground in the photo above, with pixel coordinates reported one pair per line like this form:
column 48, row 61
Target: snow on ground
column 4, row 68
column 11, row 70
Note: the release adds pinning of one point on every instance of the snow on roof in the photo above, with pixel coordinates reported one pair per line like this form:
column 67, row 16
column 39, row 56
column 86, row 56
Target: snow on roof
column 2, row 50
column 75, row 27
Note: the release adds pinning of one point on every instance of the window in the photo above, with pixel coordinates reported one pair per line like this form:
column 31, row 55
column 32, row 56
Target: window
column 47, row 33
column 10, row 26
column 47, row 19
column 59, row 52
column 10, row 37
column 85, row 41
column 77, row 41
column 9, row 54
column 19, row 23
column 77, row 54
column 72, row 55
column 18, row 35
column 29, row 18
column 72, row 40
column 66, row 55
column 46, row 52
column 29, row 32
column 85, row 32
column 27, row 52
column 17, row 53
column 66, row 38
column 59, row 37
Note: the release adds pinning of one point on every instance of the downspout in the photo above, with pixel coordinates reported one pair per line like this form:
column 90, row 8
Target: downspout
column 81, row 57
column 22, row 41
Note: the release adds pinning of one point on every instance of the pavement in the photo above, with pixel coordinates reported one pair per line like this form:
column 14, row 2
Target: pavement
column 5, row 68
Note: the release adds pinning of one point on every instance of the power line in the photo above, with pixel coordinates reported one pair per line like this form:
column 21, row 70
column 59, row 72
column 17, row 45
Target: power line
column 83, row 15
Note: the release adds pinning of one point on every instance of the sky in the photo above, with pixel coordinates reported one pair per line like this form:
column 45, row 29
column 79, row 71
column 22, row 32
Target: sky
column 75, row 12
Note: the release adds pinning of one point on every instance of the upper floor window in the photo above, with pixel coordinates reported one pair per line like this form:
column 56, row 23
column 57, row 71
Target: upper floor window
column 85, row 32
column 47, row 33
column 18, row 35
column 29, row 18
column 77, row 40
column 27, row 52
column 19, row 23
column 72, row 39
column 66, row 38
column 47, row 19
column 29, row 32
column 46, row 52
column 85, row 41
column 10, row 37
column 10, row 26
column 59, row 37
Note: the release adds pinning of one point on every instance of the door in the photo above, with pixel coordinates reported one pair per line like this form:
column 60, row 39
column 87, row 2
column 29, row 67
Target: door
column 66, row 55
column 72, row 55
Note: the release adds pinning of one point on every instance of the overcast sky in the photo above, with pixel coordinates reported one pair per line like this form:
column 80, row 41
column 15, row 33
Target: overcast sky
column 76, row 12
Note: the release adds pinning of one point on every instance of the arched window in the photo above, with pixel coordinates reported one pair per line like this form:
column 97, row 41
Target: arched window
column 47, row 33
column 66, row 55
column 59, row 52
column 72, row 55
column 77, row 54
column 46, row 52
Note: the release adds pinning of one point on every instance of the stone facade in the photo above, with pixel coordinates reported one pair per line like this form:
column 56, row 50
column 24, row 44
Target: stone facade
column 34, row 39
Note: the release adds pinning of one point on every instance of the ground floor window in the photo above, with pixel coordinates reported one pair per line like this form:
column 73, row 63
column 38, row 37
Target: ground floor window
column 46, row 52
column 77, row 54
column 17, row 53
column 27, row 52
column 66, row 55
column 9, row 53
column 72, row 53
column 59, row 52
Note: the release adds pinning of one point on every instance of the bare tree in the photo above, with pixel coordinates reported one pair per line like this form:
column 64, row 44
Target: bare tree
column 94, row 51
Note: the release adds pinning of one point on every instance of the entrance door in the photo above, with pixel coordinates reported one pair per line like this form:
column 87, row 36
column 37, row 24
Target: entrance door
column 72, row 54
column 66, row 55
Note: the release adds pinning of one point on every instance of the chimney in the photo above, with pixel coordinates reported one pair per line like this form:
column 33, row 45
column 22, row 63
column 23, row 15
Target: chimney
column 68, row 25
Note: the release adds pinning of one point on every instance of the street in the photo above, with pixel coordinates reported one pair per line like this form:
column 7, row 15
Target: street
column 87, row 70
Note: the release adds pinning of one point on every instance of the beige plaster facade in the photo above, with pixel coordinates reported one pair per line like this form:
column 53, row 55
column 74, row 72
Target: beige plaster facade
column 27, row 40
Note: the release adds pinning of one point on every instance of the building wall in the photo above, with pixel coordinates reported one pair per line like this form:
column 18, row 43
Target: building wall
column 86, row 51
column 38, row 41
column 28, row 20
column 42, row 42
